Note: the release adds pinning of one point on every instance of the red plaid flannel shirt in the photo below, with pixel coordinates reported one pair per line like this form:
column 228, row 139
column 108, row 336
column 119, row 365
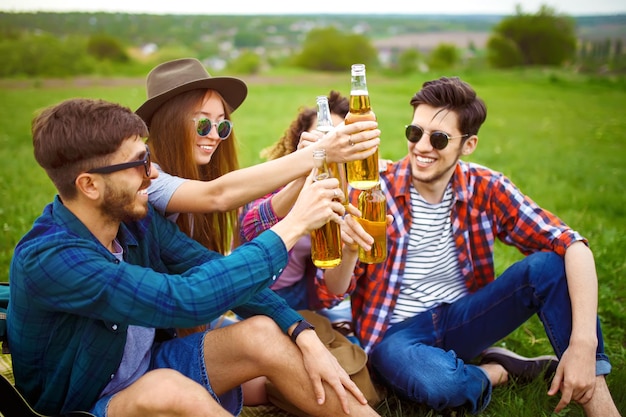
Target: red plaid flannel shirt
column 486, row 205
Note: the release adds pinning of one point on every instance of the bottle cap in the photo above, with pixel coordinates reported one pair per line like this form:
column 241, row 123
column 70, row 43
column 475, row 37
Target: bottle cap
column 358, row 69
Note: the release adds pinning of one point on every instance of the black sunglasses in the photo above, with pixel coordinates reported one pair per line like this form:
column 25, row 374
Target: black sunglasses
column 146, row 162
column 438, row 140
column 204, row 126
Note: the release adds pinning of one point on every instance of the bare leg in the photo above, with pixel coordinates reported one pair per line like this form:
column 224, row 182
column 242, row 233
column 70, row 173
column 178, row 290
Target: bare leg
column 254, row 392
column 601, row 404
column 165, row 392
column 255, row 347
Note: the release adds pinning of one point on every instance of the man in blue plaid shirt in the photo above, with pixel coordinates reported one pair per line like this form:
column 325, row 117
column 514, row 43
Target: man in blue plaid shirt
column 101, row 271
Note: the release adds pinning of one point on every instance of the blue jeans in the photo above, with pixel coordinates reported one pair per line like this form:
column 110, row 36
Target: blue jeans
column 439, row 342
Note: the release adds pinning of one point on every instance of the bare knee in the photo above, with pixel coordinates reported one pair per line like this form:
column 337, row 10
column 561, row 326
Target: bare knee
column 261, row 331
column 161, row 392
column 165, row 388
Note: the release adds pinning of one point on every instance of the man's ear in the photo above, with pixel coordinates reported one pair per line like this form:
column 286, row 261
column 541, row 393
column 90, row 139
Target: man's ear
column 469, row 145
column 89, row 185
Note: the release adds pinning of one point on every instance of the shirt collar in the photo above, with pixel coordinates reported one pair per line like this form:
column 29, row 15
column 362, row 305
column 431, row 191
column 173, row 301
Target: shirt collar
column 403, row 179
column 62, row 215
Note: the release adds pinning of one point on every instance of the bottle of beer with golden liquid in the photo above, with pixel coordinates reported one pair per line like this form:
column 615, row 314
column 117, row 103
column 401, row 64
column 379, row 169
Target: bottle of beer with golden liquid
column 325, row 125
column 362, row 174
column 373, row 207
column 325, row 241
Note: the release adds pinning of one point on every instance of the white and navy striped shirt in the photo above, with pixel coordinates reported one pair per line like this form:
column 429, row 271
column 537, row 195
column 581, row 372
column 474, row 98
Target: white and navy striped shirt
column 431, row 274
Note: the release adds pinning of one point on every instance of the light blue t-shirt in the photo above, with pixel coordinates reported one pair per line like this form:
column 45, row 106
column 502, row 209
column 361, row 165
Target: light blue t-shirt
column 137, row 351
column 162, row 189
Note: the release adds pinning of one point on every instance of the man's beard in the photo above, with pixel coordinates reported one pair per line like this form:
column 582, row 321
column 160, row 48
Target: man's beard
column 122, row 206
column 437, row 175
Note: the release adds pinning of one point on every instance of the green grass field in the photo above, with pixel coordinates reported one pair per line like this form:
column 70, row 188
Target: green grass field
column 558, row 136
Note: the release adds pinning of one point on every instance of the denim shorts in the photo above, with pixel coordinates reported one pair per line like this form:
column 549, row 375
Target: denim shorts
column 185, row 355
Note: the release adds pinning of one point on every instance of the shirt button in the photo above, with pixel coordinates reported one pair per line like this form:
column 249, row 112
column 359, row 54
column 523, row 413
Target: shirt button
column 273, row 277
column 114, row 327
column 112, row 376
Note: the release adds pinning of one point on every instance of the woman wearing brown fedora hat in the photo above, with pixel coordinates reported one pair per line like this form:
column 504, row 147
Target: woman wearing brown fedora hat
column 193, row 145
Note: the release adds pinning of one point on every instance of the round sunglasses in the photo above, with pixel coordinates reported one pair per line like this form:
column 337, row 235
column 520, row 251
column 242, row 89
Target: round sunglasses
column 204, row 126
column 438, row 140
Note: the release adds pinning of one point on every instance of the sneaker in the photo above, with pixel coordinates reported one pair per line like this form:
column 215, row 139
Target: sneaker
column 519, row 367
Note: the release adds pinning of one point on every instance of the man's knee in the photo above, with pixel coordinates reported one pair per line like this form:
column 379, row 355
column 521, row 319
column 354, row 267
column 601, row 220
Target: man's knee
column 165, row 385
column 546, row 265
column 159, row 391
column 261, row 327
column 258, row 331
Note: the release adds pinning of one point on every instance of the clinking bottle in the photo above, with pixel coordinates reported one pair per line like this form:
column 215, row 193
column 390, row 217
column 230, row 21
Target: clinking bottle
column 325, row 241
column 362, row 174
column 373, row 207
column 325, row 125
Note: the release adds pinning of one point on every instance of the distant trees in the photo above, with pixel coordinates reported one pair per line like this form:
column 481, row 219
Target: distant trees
column 246, row 63
column 105, row 47
column 328, row 49
column 44, row 56
column 408, row 61
column 444, row 56
column 69, row 44
column 602, row 56
column 544, row 38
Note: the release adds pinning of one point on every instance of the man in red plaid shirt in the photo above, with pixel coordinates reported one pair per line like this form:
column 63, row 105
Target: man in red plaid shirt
column 435, row 304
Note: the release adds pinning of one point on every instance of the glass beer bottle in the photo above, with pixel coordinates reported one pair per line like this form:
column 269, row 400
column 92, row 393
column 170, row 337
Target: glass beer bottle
column 362, row 174
column 373, row 207
column 325, row 241
column 325, row 125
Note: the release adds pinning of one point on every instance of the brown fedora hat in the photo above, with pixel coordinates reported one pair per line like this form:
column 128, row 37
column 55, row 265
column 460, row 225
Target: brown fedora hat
column 171, row 78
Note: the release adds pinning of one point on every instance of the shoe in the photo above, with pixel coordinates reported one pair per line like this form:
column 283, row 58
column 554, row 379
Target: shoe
column 519, row 367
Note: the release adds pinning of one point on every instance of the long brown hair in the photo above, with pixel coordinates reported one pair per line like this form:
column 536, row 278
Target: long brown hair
column 172, row 142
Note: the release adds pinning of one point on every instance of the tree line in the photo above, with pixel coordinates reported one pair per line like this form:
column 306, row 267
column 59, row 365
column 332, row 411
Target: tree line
column 69, row 44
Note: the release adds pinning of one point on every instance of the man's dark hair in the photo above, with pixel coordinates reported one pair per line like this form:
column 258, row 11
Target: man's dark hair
column 79, row 134
column 450, row 93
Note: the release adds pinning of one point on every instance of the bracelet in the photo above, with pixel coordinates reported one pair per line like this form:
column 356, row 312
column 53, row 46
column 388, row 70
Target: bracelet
column 302, row 325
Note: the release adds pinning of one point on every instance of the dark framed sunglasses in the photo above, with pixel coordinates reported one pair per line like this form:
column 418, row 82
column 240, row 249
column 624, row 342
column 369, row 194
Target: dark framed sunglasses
column 438, row 140
column 204, row 126
column 146, row 162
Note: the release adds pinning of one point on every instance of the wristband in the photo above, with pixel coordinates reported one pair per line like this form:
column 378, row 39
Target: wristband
column 302, row 325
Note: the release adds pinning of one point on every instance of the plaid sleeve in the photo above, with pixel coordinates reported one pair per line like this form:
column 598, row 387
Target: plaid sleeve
column 527, row 226
column 257, row 217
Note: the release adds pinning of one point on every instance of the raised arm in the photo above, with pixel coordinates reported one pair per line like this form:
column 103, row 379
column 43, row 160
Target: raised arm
column 239, row 187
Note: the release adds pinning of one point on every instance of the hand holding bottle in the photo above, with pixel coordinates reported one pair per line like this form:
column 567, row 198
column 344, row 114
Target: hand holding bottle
column 353, row 235
column 350, row 142
column 363, row 173
column 326, row 244
column 316, row 205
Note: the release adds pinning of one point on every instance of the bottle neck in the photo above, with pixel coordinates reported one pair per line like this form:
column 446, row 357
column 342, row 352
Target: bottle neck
column 358, row 86
column 319, row 162
column 324, row 120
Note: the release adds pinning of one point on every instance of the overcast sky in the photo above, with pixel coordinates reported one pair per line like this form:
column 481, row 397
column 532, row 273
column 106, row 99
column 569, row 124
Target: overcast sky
column 278, row 7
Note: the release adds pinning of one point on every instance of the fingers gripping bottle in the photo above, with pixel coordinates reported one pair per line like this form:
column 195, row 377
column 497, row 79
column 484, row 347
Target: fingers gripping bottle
column 373, row 207
column 362, row 174
column 325, row 241
column 325, row 125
